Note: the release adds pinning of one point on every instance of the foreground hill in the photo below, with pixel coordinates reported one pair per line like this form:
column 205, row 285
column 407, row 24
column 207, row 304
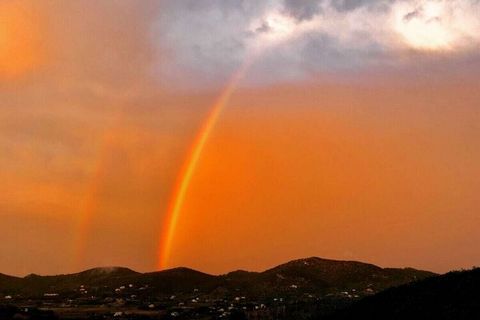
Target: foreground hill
column 314, row 276
column 455, row 295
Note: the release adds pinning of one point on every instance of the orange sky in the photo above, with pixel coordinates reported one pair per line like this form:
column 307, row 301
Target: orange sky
column 21, row 48
column 382, row 170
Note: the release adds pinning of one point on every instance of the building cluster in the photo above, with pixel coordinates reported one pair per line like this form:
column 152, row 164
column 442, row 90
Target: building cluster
column 131, row 301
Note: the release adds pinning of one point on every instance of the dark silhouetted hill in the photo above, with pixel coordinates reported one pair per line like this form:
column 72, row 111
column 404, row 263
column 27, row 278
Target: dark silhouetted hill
column 455, row 295
column 322, row 276
column 313, row 275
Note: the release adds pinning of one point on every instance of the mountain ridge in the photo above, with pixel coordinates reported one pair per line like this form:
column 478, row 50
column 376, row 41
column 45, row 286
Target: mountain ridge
column 313, row 275
column 115, row 268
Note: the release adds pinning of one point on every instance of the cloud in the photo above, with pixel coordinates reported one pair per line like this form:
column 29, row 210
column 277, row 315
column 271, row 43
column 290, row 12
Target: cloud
column 303, row 9
column 438, row 25
column 209, row 40
column 309, row 9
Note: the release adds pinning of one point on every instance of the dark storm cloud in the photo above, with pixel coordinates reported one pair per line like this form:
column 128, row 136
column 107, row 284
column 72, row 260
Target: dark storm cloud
column 303, row 9
column 348, row 5
column 307, row 9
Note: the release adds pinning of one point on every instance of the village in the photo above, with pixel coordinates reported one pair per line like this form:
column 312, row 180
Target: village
column 136, row 302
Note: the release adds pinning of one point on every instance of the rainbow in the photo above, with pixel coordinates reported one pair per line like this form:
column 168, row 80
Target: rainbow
column 184, row 178
column 169, row 224
column 91, row 202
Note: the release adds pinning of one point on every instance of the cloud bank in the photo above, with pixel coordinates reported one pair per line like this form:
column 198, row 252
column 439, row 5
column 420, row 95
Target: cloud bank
column 292, row 39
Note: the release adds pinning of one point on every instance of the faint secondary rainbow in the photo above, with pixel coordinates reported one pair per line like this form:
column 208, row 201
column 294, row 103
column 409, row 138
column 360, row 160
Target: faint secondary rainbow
column 90, row 205
column 183, row 181
column 91, row 201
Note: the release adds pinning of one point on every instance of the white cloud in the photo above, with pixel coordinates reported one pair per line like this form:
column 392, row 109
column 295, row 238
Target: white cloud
column 438, row 24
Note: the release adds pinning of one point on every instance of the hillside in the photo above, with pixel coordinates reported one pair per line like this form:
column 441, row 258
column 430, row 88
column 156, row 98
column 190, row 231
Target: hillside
column 321, row 276
column 314, row 276
column 455, row 295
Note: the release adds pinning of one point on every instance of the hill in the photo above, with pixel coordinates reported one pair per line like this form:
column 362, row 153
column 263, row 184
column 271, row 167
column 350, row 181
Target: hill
column 455, row 295
column 322, row 276
column 314, row 276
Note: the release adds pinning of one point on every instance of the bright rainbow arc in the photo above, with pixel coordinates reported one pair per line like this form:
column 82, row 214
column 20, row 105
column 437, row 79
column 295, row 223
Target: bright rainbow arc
column 178, row 197
column 190, row 165
column 282, row 30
